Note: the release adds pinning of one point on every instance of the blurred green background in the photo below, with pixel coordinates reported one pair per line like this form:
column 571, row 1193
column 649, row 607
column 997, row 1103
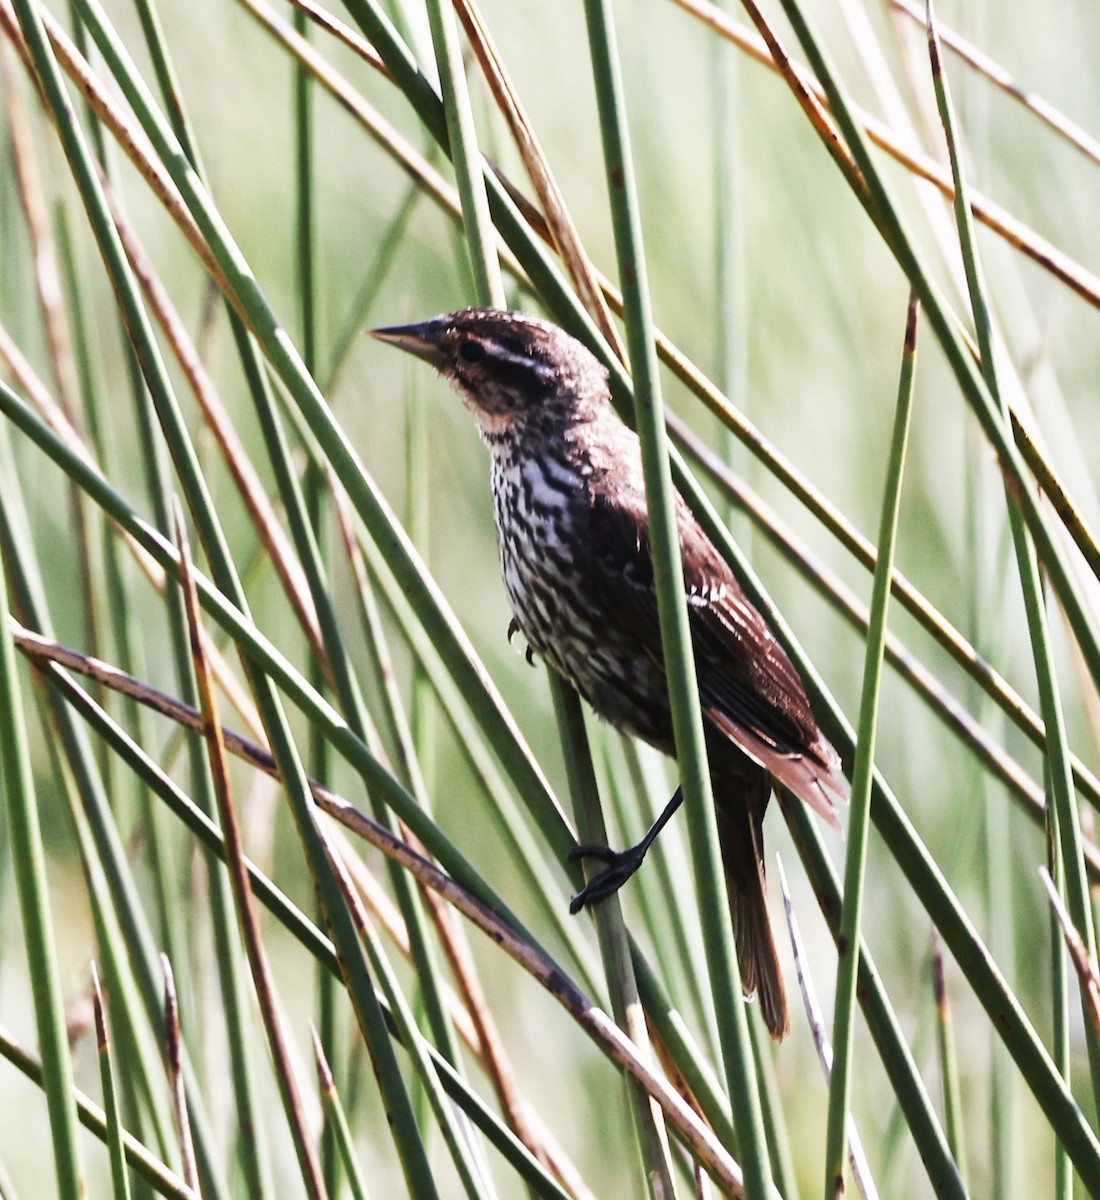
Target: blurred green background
column 767, row 273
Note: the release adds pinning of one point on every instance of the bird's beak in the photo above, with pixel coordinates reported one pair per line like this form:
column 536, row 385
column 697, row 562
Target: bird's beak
column 422, row 339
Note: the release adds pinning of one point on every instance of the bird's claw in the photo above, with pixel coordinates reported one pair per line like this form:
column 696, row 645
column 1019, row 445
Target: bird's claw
column 621, row 864
column 513, row 629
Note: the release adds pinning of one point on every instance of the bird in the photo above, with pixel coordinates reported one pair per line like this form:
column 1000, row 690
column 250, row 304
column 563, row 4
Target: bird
column 573, row 532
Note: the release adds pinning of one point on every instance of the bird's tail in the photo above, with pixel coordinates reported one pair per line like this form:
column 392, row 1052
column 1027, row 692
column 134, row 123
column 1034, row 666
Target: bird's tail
column 742, row 790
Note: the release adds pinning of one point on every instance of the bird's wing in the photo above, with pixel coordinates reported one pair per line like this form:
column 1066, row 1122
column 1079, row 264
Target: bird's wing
column 748, row 687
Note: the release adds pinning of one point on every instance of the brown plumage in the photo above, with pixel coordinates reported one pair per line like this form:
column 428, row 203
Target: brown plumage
column 569, row 498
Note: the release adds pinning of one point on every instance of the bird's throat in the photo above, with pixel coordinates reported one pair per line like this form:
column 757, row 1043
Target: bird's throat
column 494, row 427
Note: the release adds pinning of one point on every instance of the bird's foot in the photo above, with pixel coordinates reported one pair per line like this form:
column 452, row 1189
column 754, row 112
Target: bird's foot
column 513, row 629
column 621, row 864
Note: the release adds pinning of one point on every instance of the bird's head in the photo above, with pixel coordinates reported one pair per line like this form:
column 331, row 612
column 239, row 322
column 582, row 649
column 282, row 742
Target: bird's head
column 507, row 366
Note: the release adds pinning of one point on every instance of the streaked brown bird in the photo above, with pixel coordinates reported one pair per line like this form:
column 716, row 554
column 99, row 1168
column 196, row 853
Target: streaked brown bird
column 571, row 516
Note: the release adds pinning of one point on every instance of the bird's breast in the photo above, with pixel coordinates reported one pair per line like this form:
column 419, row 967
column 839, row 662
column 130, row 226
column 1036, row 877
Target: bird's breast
column 537, row 504
column 543, row 520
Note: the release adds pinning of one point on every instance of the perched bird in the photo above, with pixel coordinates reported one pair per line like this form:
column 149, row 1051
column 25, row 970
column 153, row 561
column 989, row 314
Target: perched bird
column 571, row 516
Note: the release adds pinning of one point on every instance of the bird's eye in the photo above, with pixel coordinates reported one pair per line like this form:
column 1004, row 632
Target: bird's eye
column 471, row 351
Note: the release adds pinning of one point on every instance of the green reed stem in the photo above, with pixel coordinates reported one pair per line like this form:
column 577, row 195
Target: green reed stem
column 836, row 1156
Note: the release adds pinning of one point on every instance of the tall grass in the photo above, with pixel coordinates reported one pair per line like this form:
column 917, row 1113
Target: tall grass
column 287, row 822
